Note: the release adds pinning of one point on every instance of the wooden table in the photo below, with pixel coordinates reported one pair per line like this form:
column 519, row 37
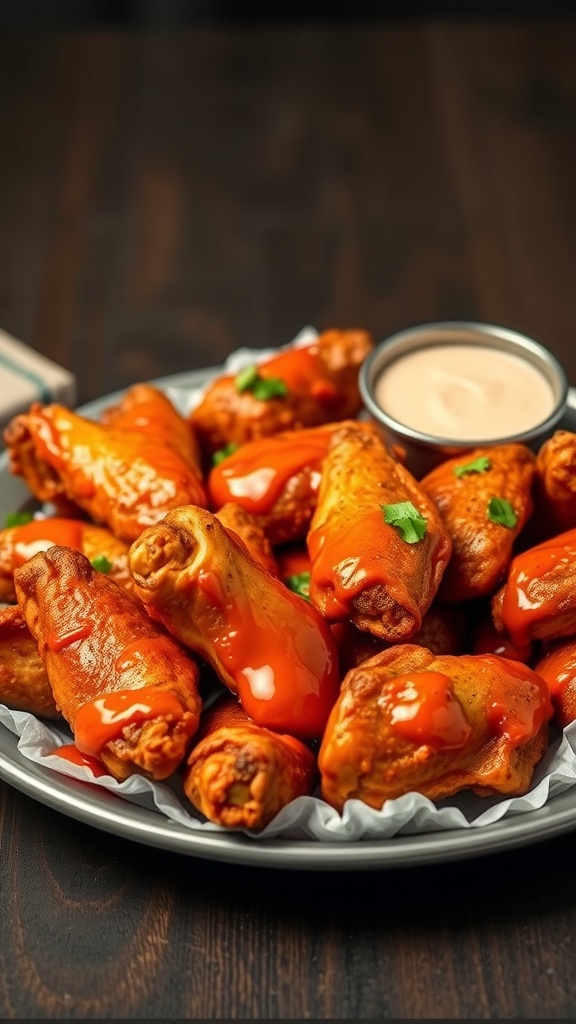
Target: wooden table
column 166, row 198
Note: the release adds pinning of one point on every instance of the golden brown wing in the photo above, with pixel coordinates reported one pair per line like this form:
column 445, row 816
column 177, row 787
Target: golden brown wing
column 240, row 775
column 408, row 720
column 363, row 568
column 300, row 387
column 468, row 492
column 121, row 478
column 24, row 683
column 127, row 689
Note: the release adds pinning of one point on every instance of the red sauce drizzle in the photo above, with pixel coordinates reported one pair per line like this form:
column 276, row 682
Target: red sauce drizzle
column 70, row 752
column 518, row 716
column 104, row 718
column 256, row 474
column 304, row 373
column 425, row 711
column 56, row 642
column 41, row 534
column 520, row 609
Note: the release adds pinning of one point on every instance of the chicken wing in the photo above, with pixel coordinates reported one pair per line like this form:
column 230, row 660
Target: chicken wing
column 302, row 386
column 538, row 599
column 240, row 775
column 557, row 666
column 264, row 642
column 365, row 568
column 128, row 690
column 276, row 479
column 18, row 543
column 122, row 478
column 408, row 720
column 472, row 493
column 249, row 529
column 24, row 683
column 555, row 485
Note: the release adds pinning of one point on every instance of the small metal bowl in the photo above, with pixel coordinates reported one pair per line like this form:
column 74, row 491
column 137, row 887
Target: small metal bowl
column 422, row 451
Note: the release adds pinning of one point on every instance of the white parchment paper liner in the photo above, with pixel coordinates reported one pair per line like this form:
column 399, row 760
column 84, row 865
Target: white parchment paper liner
column 307, row 817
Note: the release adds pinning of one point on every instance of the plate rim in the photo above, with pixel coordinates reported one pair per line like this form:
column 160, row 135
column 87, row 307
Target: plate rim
column 99, row 808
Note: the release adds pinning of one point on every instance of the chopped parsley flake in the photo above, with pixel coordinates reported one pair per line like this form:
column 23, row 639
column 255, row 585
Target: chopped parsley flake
column 18, row 519
column 299, row 583
column 406, row 518
column 262, row 388
column 479, row 465
column 501, row 511
column 101, row 564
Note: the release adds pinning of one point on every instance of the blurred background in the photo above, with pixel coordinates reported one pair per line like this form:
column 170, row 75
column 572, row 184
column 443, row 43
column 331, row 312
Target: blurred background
column 179, row 179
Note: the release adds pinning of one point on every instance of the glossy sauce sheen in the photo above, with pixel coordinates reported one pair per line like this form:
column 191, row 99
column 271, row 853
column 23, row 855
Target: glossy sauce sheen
column 425, row 711
column 103, row 719
column 70, row 752
column 519, row 608
column 286, row 673
column 303, row 373
column 256, row 475
column 464, row 392
column 40, row 534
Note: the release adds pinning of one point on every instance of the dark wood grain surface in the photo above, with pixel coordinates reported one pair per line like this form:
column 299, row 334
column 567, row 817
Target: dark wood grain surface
column 165, row 198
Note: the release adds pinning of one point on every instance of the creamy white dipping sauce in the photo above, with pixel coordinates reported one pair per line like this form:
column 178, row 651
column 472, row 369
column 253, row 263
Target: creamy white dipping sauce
column 464, row 392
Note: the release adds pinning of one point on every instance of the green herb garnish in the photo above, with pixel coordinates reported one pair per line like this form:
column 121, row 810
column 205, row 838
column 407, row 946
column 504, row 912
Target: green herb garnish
column 299, row 583
column 501, row 511
column 101, row 564
column 223, row 453
column 479, row 465
column 262, row 388
column 406, row 519
column 18, row 518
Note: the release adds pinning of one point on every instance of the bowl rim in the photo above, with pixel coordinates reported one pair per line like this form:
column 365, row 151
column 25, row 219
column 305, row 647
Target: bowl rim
column 420, row 335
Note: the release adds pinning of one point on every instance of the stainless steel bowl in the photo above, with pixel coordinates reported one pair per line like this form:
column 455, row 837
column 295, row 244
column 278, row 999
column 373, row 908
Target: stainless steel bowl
column 423, row 451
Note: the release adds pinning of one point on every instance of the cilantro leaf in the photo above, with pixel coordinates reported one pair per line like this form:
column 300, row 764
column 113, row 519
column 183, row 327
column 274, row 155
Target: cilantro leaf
column 18, row 519
column 300, row 583
column 101, row 564
column 479, row 465
column 223, row 453
column 262, row 388
column 406, row 518
column 501, row 511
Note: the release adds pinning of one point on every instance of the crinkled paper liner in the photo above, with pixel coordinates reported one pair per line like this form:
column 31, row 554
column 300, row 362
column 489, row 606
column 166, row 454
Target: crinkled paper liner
column 308, row 817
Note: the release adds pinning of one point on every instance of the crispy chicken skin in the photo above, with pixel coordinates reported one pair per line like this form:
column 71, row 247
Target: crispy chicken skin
column 557, row 666
column 265, row 643
column 481, row 548
column 19, row 543
column 24, row 683
column 276, row 479
column 362, row 568
column 127, row 689
column 121, row 478
column 408, row 720
column 555, row 485
column 239, row 775
column 148, row 410
column 249, row 529
column 321, row 382
column 538, row 599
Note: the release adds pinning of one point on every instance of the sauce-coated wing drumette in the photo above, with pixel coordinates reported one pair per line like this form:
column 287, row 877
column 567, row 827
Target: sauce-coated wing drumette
column 122, row 478
column 266, row 644
column 302, row 386
column 364, row 567
column 240, row 775
column 408, row 720
column 128, row 690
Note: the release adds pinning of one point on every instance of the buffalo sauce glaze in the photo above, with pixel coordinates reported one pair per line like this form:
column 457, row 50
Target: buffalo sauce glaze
column 104, row 718
column 349, row 562
column 517, row 717
column 519, row 608
column 257, row 473
column 70, row 752
column 41, row 534
column 303, row 371
column 284, row 669
column 425, row 710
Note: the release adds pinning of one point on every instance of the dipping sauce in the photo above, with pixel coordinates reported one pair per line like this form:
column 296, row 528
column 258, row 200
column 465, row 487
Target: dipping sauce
column 464, row 392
